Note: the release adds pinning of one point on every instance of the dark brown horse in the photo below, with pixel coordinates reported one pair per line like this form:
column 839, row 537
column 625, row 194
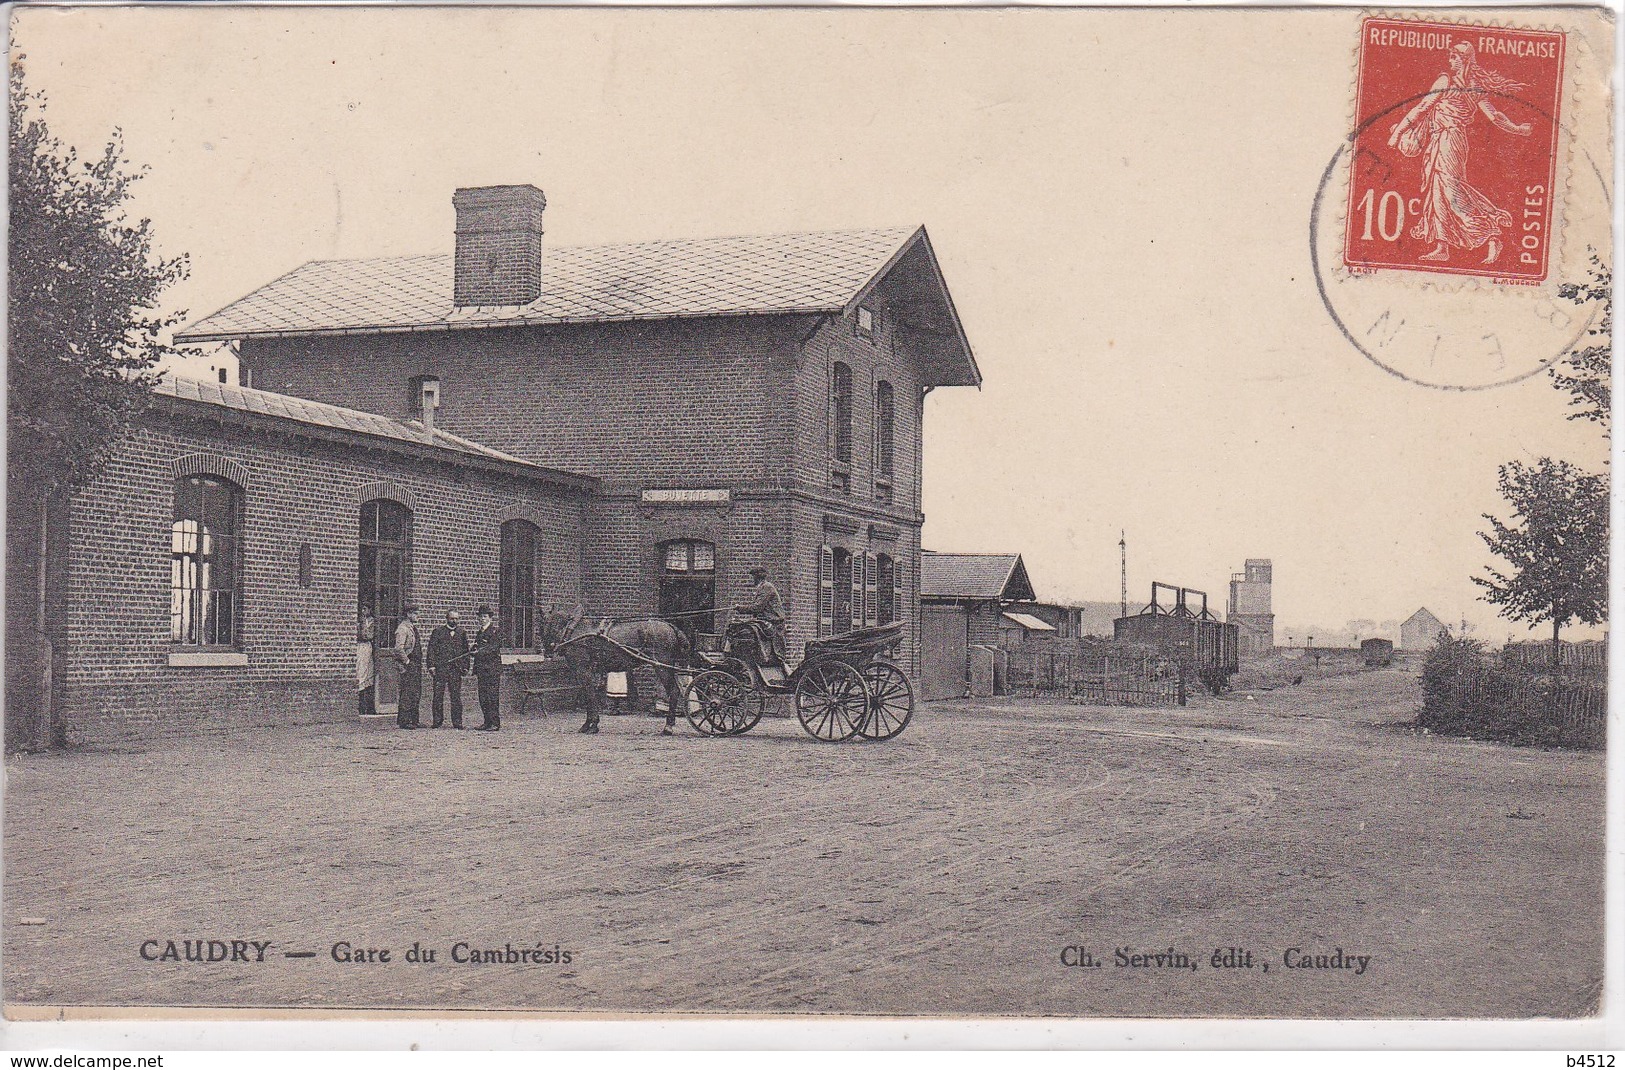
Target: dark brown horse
column 591, row 646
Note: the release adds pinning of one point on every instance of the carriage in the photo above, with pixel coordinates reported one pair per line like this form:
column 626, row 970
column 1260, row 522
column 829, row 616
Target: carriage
column 844, row 687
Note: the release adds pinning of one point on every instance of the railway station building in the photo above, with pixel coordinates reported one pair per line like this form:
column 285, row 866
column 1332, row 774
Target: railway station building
column 629, row 427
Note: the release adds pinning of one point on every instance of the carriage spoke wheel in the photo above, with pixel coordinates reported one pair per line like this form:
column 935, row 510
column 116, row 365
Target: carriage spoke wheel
column 752, row 704
column 831, row 701
column 891, row 701
column 716, row 705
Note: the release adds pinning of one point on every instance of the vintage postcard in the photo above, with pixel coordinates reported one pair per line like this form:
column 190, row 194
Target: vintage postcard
column 955, row 513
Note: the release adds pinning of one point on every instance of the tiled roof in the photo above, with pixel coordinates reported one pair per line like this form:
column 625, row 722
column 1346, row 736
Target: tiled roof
column 580, row 284
column 336, row 418
column 1423, row 616
column 973, row 576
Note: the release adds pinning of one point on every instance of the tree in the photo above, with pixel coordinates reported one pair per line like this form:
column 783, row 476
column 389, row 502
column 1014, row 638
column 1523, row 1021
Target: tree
column 85, row 328
column 1556, row 545
column 1586, row 373
column 84, row 333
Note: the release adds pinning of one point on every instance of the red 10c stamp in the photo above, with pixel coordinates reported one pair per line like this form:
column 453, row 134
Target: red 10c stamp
column 1454, row 162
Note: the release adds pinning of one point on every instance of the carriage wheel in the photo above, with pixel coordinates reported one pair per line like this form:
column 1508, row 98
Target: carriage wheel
column 715, row 704
column 831, row 701
column 751, row 708
column 891, row 701
column 754, row 703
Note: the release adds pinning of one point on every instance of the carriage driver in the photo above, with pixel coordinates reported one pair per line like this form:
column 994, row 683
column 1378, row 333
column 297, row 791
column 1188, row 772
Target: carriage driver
column 765, row 607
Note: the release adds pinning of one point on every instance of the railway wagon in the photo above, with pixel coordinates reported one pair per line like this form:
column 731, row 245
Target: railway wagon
column 1204, row 646
column 1377, row 652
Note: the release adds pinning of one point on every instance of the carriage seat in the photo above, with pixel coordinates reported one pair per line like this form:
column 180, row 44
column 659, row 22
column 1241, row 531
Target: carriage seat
column 752, row 642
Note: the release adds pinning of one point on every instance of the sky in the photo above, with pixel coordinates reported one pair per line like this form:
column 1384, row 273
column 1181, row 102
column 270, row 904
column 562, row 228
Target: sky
column 1120, row 201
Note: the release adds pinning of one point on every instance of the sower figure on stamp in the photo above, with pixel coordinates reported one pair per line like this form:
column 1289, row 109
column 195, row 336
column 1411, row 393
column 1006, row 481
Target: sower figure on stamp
column 448, row 664
column 408, row 651
column 1453, row 211
column 487, row 653
column 766, row 608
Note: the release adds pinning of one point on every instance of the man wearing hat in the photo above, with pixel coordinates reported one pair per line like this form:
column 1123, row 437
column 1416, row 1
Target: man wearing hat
column 488, row 670
column 766, row 607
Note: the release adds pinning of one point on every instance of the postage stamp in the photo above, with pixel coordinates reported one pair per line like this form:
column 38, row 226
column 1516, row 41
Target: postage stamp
column 1455, row 159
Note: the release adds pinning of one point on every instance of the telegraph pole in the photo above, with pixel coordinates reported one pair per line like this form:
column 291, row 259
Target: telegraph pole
column 1122, row 549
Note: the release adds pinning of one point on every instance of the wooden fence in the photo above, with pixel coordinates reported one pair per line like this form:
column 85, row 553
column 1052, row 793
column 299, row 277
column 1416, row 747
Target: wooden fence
column 1583, row 659
column 1078, row 674
column 1517, row 705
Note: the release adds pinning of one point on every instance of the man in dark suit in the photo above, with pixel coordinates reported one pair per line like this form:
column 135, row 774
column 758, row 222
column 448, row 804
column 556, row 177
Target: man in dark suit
column 488, row 670
column 448, row 663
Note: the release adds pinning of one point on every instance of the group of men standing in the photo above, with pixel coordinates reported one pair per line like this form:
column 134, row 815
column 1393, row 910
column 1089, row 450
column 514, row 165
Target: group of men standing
column 451, row 655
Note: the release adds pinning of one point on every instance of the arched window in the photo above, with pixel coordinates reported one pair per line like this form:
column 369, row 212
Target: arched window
column 204, row 561
column 518, row 594
column 385, row 577
column 688, row 585
column 840, row 413
column 885, row 430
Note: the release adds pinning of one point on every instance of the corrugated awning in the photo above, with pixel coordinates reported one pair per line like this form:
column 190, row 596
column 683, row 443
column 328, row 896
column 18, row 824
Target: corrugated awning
column 1030, row 622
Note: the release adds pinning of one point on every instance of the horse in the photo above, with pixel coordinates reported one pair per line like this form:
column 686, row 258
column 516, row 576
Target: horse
column 576, row 637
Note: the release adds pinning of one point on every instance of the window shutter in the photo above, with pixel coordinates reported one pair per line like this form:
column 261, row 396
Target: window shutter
column 871, row 589
column 826, row 591
column 858, row 568
column 898, row 588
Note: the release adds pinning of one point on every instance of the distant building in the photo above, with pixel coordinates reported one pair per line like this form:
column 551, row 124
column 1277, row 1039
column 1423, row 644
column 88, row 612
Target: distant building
column 1016, row 624
column 963, row 599
column 1420, row 630
column 1251, row 609
column 1060, row 620
column 1073, row 620
column 209, row 364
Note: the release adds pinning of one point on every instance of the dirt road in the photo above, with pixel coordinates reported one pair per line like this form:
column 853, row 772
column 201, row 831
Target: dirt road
column 950, row 871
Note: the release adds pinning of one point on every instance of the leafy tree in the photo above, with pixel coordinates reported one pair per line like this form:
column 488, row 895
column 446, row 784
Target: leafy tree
column 84, row 333
column 85, row 328
column 1556, row 547
column 1586, row 373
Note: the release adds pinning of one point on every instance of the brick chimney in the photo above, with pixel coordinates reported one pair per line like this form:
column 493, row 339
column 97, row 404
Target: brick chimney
column 423, row 398
column 499, row 245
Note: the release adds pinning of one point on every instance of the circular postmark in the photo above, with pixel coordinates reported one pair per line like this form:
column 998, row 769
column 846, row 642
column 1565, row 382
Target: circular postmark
column 1467, row 331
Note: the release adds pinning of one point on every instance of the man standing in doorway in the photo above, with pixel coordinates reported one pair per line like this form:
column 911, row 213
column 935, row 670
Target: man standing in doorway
column 448, row 663
column 409, row 652
column 488, row 670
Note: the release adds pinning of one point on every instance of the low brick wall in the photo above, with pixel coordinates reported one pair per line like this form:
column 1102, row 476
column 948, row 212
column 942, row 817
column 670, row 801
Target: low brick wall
column 220, row 700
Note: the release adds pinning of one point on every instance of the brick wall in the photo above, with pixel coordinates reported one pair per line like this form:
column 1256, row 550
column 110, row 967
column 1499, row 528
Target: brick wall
column 880, row 357
column 299, row 641
column 735, row 403
column 670, row 403
column 985, row 618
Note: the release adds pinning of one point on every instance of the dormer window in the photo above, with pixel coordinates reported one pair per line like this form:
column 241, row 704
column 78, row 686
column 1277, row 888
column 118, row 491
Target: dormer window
column 866, row 322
